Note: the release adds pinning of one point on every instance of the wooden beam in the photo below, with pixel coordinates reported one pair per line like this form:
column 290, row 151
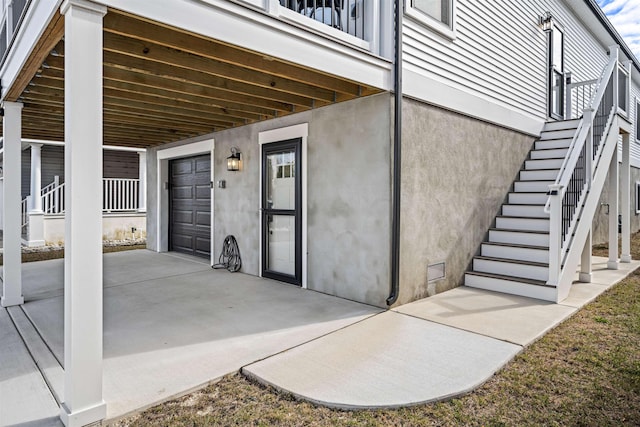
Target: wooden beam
column 118, row 22
column 49, row 39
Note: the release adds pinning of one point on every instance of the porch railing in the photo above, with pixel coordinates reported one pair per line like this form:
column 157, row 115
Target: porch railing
column 579, row 96
column 118, row 195
column 567, row 194
column 345, row 15
column 24, row 214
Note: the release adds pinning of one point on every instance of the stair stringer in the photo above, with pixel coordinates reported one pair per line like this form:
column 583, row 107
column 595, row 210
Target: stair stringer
column 590, row 205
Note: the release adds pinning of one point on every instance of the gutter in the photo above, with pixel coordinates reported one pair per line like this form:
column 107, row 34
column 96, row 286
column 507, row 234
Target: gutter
column 597, row 11
column 397, row 139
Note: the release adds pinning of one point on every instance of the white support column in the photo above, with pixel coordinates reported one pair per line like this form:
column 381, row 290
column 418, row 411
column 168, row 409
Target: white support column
column 625, row 202
column 12, row 233
column 83, row 403
column 613, row 212
column 142, row 176
column 585, row 261
column 35, row 235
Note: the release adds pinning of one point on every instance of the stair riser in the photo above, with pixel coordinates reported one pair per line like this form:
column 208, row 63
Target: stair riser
column 560, row 125
column 543, row 164
column 557, row 134
column 532, row 187
column 549, row 154
column 511, row 287
column 555, row 143
column 529, row 224
column 536, row 211
column 506, row 268
column 528, row 198
column 516, row 238
column 511, row 252
column 539, row 175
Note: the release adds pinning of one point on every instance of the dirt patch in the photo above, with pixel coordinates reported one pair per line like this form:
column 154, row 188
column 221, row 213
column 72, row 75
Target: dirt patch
column 58, row 252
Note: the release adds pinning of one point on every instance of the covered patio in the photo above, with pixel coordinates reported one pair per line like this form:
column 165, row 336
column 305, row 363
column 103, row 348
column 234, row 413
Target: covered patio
column 171, row 324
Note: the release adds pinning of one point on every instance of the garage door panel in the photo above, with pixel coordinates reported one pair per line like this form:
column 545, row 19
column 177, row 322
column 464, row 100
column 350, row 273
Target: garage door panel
column 190, row 206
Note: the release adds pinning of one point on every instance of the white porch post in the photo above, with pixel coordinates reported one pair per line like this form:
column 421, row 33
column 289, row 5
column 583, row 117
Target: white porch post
column 12, row 233
column 36, row 217
column 613, row 213
column 83, row 403
column 142, row 178
column 625, row 204
column 585, row 260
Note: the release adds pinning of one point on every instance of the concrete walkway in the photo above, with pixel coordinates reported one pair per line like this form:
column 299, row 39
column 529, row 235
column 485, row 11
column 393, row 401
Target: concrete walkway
column 425, row 351
column 172, row 324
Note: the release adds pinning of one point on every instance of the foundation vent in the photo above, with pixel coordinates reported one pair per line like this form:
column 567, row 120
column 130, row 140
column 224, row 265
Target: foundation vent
column 435, row 271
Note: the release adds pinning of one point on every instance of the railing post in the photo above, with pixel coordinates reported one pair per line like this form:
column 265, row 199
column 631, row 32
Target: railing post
column 555, row 233
column 613, row 54
column 587, row 119
column 568, row 96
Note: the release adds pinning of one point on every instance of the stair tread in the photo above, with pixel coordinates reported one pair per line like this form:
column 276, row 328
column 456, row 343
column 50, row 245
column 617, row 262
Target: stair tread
column 511, row 278
column 511, row 261
column 548, row 158
column 524, row 204
column 521, row 217
column 513, row 245
column 539, row 170
column 511, row 230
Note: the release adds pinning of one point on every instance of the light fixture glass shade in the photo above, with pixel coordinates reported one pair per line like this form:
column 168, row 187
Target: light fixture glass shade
column 546, row 21
column 233, row 161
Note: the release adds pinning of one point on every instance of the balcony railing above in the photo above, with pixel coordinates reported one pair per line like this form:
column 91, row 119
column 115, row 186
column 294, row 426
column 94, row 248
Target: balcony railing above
column 345, row 15
column 10, row 22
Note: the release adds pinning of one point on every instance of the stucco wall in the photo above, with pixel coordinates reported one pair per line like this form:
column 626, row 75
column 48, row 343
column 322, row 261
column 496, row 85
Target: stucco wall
column 456, row 172
column 601, row 219
column 349, row 155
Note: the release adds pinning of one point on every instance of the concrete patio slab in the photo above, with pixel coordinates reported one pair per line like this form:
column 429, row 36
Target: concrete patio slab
column 388, row 360
column 25, row 399
column 165, row 336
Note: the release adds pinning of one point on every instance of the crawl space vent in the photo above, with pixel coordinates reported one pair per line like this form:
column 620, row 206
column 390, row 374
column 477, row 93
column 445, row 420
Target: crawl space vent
column 435, row 271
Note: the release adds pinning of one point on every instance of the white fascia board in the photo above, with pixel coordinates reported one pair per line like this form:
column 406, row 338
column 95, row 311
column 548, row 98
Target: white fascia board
column 423, row 88
column 258, row 31
column 38, row 16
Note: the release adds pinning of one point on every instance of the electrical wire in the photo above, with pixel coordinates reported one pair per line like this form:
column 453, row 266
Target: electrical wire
column 230, row 255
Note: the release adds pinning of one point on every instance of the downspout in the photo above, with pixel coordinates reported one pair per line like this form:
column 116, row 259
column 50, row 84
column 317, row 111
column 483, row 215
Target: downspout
column 397, row 138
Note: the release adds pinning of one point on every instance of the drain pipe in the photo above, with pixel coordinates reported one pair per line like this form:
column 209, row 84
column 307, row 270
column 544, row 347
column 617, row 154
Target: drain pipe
column 397, row 138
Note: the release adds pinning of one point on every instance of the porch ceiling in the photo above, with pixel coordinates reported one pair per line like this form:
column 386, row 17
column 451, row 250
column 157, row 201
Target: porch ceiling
column 163, row 84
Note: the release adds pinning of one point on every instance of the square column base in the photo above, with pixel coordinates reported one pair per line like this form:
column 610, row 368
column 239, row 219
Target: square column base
column 11, row 301
column 82, row 418
column 585, row 277
column 612, row 265
column 625, row 258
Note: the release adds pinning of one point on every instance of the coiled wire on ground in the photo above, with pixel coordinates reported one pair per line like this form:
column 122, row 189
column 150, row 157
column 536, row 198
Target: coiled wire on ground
column 230, row 255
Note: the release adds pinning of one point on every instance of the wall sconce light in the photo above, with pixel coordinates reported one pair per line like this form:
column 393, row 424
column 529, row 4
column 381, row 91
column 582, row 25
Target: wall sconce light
column 234, row 161
column 546, row 22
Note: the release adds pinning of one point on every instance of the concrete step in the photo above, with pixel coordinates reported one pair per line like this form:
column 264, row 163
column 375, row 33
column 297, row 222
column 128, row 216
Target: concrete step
column 557, row 134
column 561, row 125
column 528, row 198
column 544, row 164
column 514, row 268
column 539, row 175
column 519, row 237
column 532, row 186
column 523, row 210
column 522, row 223
column 511, row 285
column 517, row 252
column 553, row 143
column 549, row 153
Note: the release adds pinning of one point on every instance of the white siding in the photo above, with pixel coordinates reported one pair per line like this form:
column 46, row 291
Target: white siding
column 500, row 54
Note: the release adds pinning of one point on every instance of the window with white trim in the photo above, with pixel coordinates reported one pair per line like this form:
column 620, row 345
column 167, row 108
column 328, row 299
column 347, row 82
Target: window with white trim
column 439, row 15
column 637, row 197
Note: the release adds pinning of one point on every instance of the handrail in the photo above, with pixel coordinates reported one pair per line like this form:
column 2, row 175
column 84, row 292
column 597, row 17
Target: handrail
column 582, row 130
column 119, row 195
column 24, row 213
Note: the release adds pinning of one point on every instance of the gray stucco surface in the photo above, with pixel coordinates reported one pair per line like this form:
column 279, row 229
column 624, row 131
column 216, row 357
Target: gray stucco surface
column 348, row 196
column 456, row 172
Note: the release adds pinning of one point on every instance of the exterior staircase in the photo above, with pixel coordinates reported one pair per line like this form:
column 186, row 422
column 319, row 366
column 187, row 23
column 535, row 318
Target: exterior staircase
column 544, row 227
column 515, row 257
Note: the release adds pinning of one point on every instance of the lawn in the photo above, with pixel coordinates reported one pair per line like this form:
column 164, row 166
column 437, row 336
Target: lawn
column 585, row 372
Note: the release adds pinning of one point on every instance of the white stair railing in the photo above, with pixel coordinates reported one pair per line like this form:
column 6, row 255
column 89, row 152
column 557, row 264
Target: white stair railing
column 24, row 214
column 568, row 194
column 579, row 96
column 54, row 184
column 118, row 195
